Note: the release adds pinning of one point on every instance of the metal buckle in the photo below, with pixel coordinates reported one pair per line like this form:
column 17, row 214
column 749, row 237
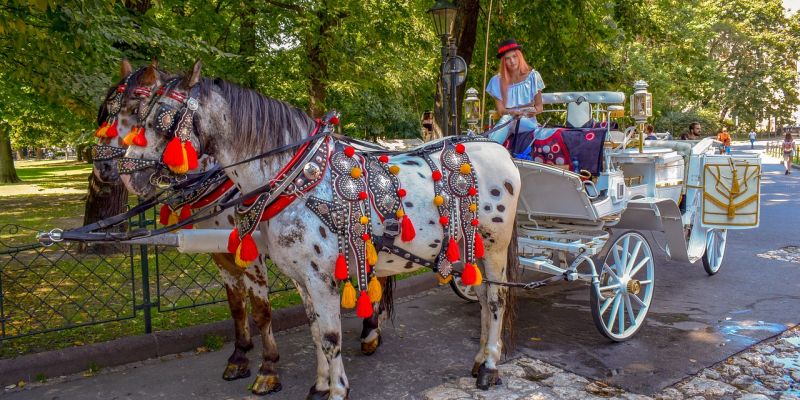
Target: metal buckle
column 391, row 227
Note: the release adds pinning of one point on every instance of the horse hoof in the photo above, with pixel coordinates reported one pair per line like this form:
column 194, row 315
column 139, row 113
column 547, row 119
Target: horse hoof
column 369, row 348
column 475, row 368
column 236, row 371
column 265, row 384
column 314, row 394
column 487, row 378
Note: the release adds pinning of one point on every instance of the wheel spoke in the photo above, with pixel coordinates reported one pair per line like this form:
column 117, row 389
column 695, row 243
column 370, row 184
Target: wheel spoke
column 609, row 287
column 646, row 282
column 639, row 266
column 606, row 303
column 611, row 272
column 621, row 317
column 634, row 255
column 639, row 301
column 629, row 307
column 625, row 246
column 614, row 310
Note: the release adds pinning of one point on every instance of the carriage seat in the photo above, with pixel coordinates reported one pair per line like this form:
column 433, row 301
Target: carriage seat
column 579, row 114
column 574, row 149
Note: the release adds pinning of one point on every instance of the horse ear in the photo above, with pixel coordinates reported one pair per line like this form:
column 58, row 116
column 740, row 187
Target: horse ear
column 150, row 75
column 125, row 68
column 193, row 77
column 154, row 63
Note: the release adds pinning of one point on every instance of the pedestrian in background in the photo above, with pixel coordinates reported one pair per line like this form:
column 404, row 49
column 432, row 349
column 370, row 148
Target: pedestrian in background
column 650, row 133
column 694, row 132
column 788, row 152
column 752, row 136
column 725, row 138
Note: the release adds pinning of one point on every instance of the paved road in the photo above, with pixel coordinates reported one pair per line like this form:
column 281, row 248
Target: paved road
column 696, row 321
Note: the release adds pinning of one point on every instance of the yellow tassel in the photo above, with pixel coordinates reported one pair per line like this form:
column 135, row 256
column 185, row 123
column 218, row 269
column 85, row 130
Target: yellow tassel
column 348, row 296
column 478, row 276
column 400, row 213
column 443, row 280
column 101, row 132
column 374, row 290
column 241, row 263
column 128, row 139
column 372, row 255
column 174, row 218
column 184, row 167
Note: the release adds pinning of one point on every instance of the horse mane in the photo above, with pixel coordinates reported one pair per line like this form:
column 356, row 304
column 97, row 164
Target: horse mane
column 260, row 123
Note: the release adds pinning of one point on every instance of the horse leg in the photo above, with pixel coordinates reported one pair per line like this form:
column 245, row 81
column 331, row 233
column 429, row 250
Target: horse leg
column 495, row 303
column 267, row 380
column 480, row 291
column 371, row 327
column 320, row 389
column 238, row 365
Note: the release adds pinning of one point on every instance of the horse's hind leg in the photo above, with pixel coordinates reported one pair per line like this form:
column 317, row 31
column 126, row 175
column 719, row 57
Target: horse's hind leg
column 371, row 327
column 238, row 364
column 267, row 380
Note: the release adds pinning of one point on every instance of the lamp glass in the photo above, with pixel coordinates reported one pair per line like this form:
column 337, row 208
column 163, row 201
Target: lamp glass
column 443, row 14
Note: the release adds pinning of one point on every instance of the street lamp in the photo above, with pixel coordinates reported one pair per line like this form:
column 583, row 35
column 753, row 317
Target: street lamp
column 454, row 68
column 641, row 108
column 472, row 110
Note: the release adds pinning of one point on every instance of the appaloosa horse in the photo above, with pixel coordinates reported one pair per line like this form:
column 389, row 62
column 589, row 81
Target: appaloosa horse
column 330, row 206
column 136, row 90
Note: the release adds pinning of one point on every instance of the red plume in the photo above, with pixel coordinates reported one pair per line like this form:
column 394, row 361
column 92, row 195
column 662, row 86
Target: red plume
column 364, row 306
column 478, row 245
column 173, row 153
column 233, row 241
column 112, row 130
column 140, row 140
column 469, row 276
column 186, row 212
column 248, row 251
column 407, row 231
column 191, row 155
column 340, row 271
column 453, row 255
column 163, row 215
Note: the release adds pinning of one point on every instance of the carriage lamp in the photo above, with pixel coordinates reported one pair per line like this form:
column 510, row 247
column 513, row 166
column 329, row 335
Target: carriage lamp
column 444, row 15
column 616, row 111
column 641, row 108
column 454, row 68
column 472, row 110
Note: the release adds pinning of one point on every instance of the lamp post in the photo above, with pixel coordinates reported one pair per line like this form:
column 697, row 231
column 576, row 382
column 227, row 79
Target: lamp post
column 454, row 68
column 472, row 110
column 641, row 108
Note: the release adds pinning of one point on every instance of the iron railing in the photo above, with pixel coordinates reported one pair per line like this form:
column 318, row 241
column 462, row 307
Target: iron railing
column 64, row 286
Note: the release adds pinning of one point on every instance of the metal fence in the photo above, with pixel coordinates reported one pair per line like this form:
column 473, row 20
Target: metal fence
column 65, row 286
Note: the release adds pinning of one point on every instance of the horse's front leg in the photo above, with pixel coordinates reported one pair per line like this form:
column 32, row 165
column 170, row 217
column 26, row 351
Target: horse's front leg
column 267, row 380
column 494, row 303
column 320, row 389
column 238, row 365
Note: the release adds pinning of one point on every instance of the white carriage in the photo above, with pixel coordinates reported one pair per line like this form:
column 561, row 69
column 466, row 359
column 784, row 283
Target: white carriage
column 679, row 188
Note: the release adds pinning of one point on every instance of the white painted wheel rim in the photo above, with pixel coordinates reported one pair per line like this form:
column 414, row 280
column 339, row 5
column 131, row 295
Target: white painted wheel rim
column 467, row 291
column 622, row 312
column 715, row 248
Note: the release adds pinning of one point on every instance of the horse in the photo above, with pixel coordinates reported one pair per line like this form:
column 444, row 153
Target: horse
column 249, row 134
column 136, row 89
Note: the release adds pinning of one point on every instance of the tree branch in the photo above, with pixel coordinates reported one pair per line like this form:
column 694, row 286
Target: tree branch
column 287, row 6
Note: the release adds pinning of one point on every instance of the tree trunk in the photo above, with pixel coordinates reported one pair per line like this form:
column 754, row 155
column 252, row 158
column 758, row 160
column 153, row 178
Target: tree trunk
column 466, row 33
column 104, row 200
column 318, row 60
column 247, row 43
column 8, row 174
column 79, row 152
column 39, row 153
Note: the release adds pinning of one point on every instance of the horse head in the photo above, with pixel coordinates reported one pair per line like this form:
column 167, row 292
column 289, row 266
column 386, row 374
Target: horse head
column 124, row 108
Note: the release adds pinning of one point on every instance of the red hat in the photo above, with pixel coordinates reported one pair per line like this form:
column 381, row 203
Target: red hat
column 506, row 46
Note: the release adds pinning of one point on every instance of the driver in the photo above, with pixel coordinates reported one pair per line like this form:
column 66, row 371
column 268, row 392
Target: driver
column 517, row 90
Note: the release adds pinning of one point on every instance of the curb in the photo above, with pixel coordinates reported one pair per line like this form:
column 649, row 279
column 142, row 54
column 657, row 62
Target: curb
column 130, row 349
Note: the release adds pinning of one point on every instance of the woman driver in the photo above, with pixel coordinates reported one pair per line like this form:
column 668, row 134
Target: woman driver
column 517, row 90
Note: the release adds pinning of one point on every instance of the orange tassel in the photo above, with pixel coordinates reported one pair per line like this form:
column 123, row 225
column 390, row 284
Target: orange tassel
column 191, row 155
column 128, row 139
column 163, row 215
column 453, row 255
column 186, row 212
column 364, row 306
column 478, row 246
column 340, row 271
column 407, row 231
column 140, row 139
column 233, row 241
column 112, row 130
column 247, row 251
column 101, row 131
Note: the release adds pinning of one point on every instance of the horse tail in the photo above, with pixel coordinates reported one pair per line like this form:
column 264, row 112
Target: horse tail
column 510, row 300
column 387, row 299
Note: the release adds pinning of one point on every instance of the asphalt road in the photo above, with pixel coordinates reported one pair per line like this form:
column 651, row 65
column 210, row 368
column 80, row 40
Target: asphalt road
column 695, row 321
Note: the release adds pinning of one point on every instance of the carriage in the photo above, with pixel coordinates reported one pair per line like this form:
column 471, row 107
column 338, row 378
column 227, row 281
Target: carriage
column 600, row 196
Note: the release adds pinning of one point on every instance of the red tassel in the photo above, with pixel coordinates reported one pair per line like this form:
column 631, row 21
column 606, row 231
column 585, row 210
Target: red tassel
column 478, row 245
column 186, row 212
column 453, row 255
column 335, row 120
column 112, row 130
column 173, row 153
column 469, row 275
column 340, row 272
column 191, row 155
column 407, row 231
column 233, row 241
column 163, row 215
column 140, row 140
column 364, row 306
column 248, row 251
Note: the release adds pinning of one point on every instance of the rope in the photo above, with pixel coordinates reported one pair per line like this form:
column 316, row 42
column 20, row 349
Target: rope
column 485, row 63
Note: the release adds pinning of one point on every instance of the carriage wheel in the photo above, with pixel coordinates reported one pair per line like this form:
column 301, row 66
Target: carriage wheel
column 462, row 290
column 715, row 250
column 622, row 299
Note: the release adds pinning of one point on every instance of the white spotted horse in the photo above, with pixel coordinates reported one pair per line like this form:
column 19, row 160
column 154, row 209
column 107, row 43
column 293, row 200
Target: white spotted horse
column 121, row 120
column 334, row 213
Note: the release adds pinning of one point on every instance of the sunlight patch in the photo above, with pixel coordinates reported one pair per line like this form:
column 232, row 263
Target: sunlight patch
column 788, row 254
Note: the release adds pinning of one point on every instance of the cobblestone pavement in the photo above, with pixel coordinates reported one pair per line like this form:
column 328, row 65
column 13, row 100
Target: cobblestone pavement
column 768, row 370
